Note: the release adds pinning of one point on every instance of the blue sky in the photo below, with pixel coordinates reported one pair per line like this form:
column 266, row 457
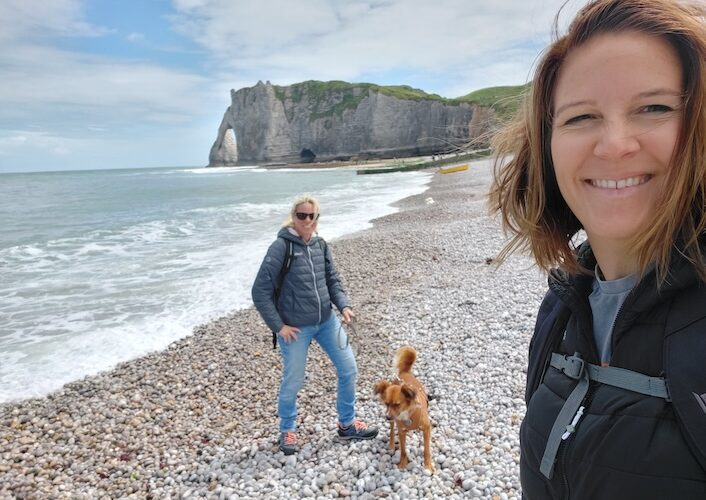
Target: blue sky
column 128, row 83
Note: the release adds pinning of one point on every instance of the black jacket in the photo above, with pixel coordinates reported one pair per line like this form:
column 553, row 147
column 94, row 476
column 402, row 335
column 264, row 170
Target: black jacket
column 626, row 445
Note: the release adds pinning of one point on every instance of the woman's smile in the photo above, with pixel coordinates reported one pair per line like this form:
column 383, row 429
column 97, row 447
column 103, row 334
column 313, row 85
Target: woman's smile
column 620, row 184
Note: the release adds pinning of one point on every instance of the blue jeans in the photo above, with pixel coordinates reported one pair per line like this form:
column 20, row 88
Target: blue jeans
column 294, row 360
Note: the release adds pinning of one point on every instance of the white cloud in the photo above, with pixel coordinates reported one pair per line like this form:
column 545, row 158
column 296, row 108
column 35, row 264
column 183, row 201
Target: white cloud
column 20, row 19
column 66, row 107
column 19, row 141
column 77, row 80
column 135, row 37
column 288, row 41
column 88, row 109
column 44, row 83
column 253, row 25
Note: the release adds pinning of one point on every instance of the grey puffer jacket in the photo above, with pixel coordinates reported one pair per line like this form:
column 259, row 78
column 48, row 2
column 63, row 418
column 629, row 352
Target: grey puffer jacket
column 309, row 288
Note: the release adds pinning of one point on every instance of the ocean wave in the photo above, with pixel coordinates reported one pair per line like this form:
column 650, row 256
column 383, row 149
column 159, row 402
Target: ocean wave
column 218, row 170
column 134, row 285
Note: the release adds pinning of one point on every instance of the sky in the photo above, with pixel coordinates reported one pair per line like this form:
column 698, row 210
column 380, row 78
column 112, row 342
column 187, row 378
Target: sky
column 92, row 84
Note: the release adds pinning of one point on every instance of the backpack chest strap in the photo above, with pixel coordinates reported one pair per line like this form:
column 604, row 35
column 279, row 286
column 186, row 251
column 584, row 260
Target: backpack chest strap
column 576, row 368
column 571, row 366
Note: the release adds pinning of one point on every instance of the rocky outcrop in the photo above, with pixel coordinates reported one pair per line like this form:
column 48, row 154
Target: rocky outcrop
column 224, row 151
column 338, row 120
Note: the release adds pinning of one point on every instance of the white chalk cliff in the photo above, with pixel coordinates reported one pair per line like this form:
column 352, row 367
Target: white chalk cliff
column 338, row 120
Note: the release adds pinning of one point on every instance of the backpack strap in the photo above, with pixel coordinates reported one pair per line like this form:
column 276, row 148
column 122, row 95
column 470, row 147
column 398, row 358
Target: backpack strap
column 568, row 417
column 572, row 366
column 576, row 368
column 548, row 331
column 323, row 246
column 685, row 364
column 286, row 265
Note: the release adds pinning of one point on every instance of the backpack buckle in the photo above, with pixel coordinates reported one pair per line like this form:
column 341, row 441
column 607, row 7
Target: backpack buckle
column 573, row 366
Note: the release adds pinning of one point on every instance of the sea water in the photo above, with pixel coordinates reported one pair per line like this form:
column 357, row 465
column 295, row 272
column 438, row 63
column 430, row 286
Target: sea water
column 98, row 267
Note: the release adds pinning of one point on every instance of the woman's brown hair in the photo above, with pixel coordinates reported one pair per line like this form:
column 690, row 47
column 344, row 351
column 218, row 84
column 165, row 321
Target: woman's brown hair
column 525, row 190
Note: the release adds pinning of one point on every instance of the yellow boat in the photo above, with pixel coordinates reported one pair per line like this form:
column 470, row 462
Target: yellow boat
column 455, row 168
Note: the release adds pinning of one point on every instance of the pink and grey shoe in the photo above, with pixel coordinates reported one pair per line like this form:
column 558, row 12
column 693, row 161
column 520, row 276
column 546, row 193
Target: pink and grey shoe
column 288, row 443
column 357, row 430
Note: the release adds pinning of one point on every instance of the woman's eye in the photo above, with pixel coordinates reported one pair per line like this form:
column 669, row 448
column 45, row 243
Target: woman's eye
column 578, row 119
column 656, row 108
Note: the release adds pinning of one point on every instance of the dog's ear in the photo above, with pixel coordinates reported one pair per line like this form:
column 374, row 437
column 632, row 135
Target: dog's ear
column 408, row 392
column 381, row 387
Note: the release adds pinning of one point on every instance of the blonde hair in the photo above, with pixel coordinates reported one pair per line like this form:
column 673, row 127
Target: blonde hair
column 524, row 189
column 303, row 198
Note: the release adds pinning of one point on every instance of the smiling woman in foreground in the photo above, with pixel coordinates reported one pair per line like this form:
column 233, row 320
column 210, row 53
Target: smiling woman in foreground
column 612, row 141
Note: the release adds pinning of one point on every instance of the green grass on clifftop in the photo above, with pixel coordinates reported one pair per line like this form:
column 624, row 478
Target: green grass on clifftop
column 504, row 100
column 348, row 95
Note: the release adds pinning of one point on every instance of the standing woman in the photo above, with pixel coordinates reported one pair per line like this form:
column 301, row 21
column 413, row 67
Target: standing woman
column 303, row 312
column 612, row 141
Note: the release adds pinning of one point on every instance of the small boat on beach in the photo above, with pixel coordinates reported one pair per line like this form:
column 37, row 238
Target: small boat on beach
column 455, row 168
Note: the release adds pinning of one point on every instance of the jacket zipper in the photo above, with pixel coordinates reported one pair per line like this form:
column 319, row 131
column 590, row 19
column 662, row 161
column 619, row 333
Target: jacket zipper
column 568, row 435
column 313, row 275
column 615, row 322
column 579, row 414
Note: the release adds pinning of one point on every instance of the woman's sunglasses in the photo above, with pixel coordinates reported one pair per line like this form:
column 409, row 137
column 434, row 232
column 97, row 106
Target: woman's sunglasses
column 303, row 216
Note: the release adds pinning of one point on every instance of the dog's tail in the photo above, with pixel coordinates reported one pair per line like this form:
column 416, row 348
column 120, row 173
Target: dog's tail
column 405, row 358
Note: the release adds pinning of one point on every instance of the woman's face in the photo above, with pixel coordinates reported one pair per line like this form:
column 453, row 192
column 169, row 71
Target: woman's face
column 617, row 115
column 305, row 228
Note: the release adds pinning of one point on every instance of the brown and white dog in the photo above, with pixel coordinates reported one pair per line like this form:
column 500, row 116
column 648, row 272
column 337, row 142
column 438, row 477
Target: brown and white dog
column 407, row 405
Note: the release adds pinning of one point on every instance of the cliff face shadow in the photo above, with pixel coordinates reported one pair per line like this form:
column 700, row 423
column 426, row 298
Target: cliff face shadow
column 307, row 156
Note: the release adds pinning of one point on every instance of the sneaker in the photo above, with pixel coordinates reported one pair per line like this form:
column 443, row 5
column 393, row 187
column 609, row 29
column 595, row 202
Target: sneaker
column 288, row 443
column 357, row 430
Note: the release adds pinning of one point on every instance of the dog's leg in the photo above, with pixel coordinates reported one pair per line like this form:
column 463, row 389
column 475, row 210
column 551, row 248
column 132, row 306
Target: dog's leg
column 391, row 446
column 427, row 449
column 403, row 448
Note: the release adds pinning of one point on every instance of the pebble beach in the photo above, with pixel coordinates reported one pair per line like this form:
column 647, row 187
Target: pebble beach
column 198, row 419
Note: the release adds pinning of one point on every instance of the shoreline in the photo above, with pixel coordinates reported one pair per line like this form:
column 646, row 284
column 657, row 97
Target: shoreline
column 424, row 162
column 198, row 418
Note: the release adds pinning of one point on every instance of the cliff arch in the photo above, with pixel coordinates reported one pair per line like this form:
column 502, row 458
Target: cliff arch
column 224, row 151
